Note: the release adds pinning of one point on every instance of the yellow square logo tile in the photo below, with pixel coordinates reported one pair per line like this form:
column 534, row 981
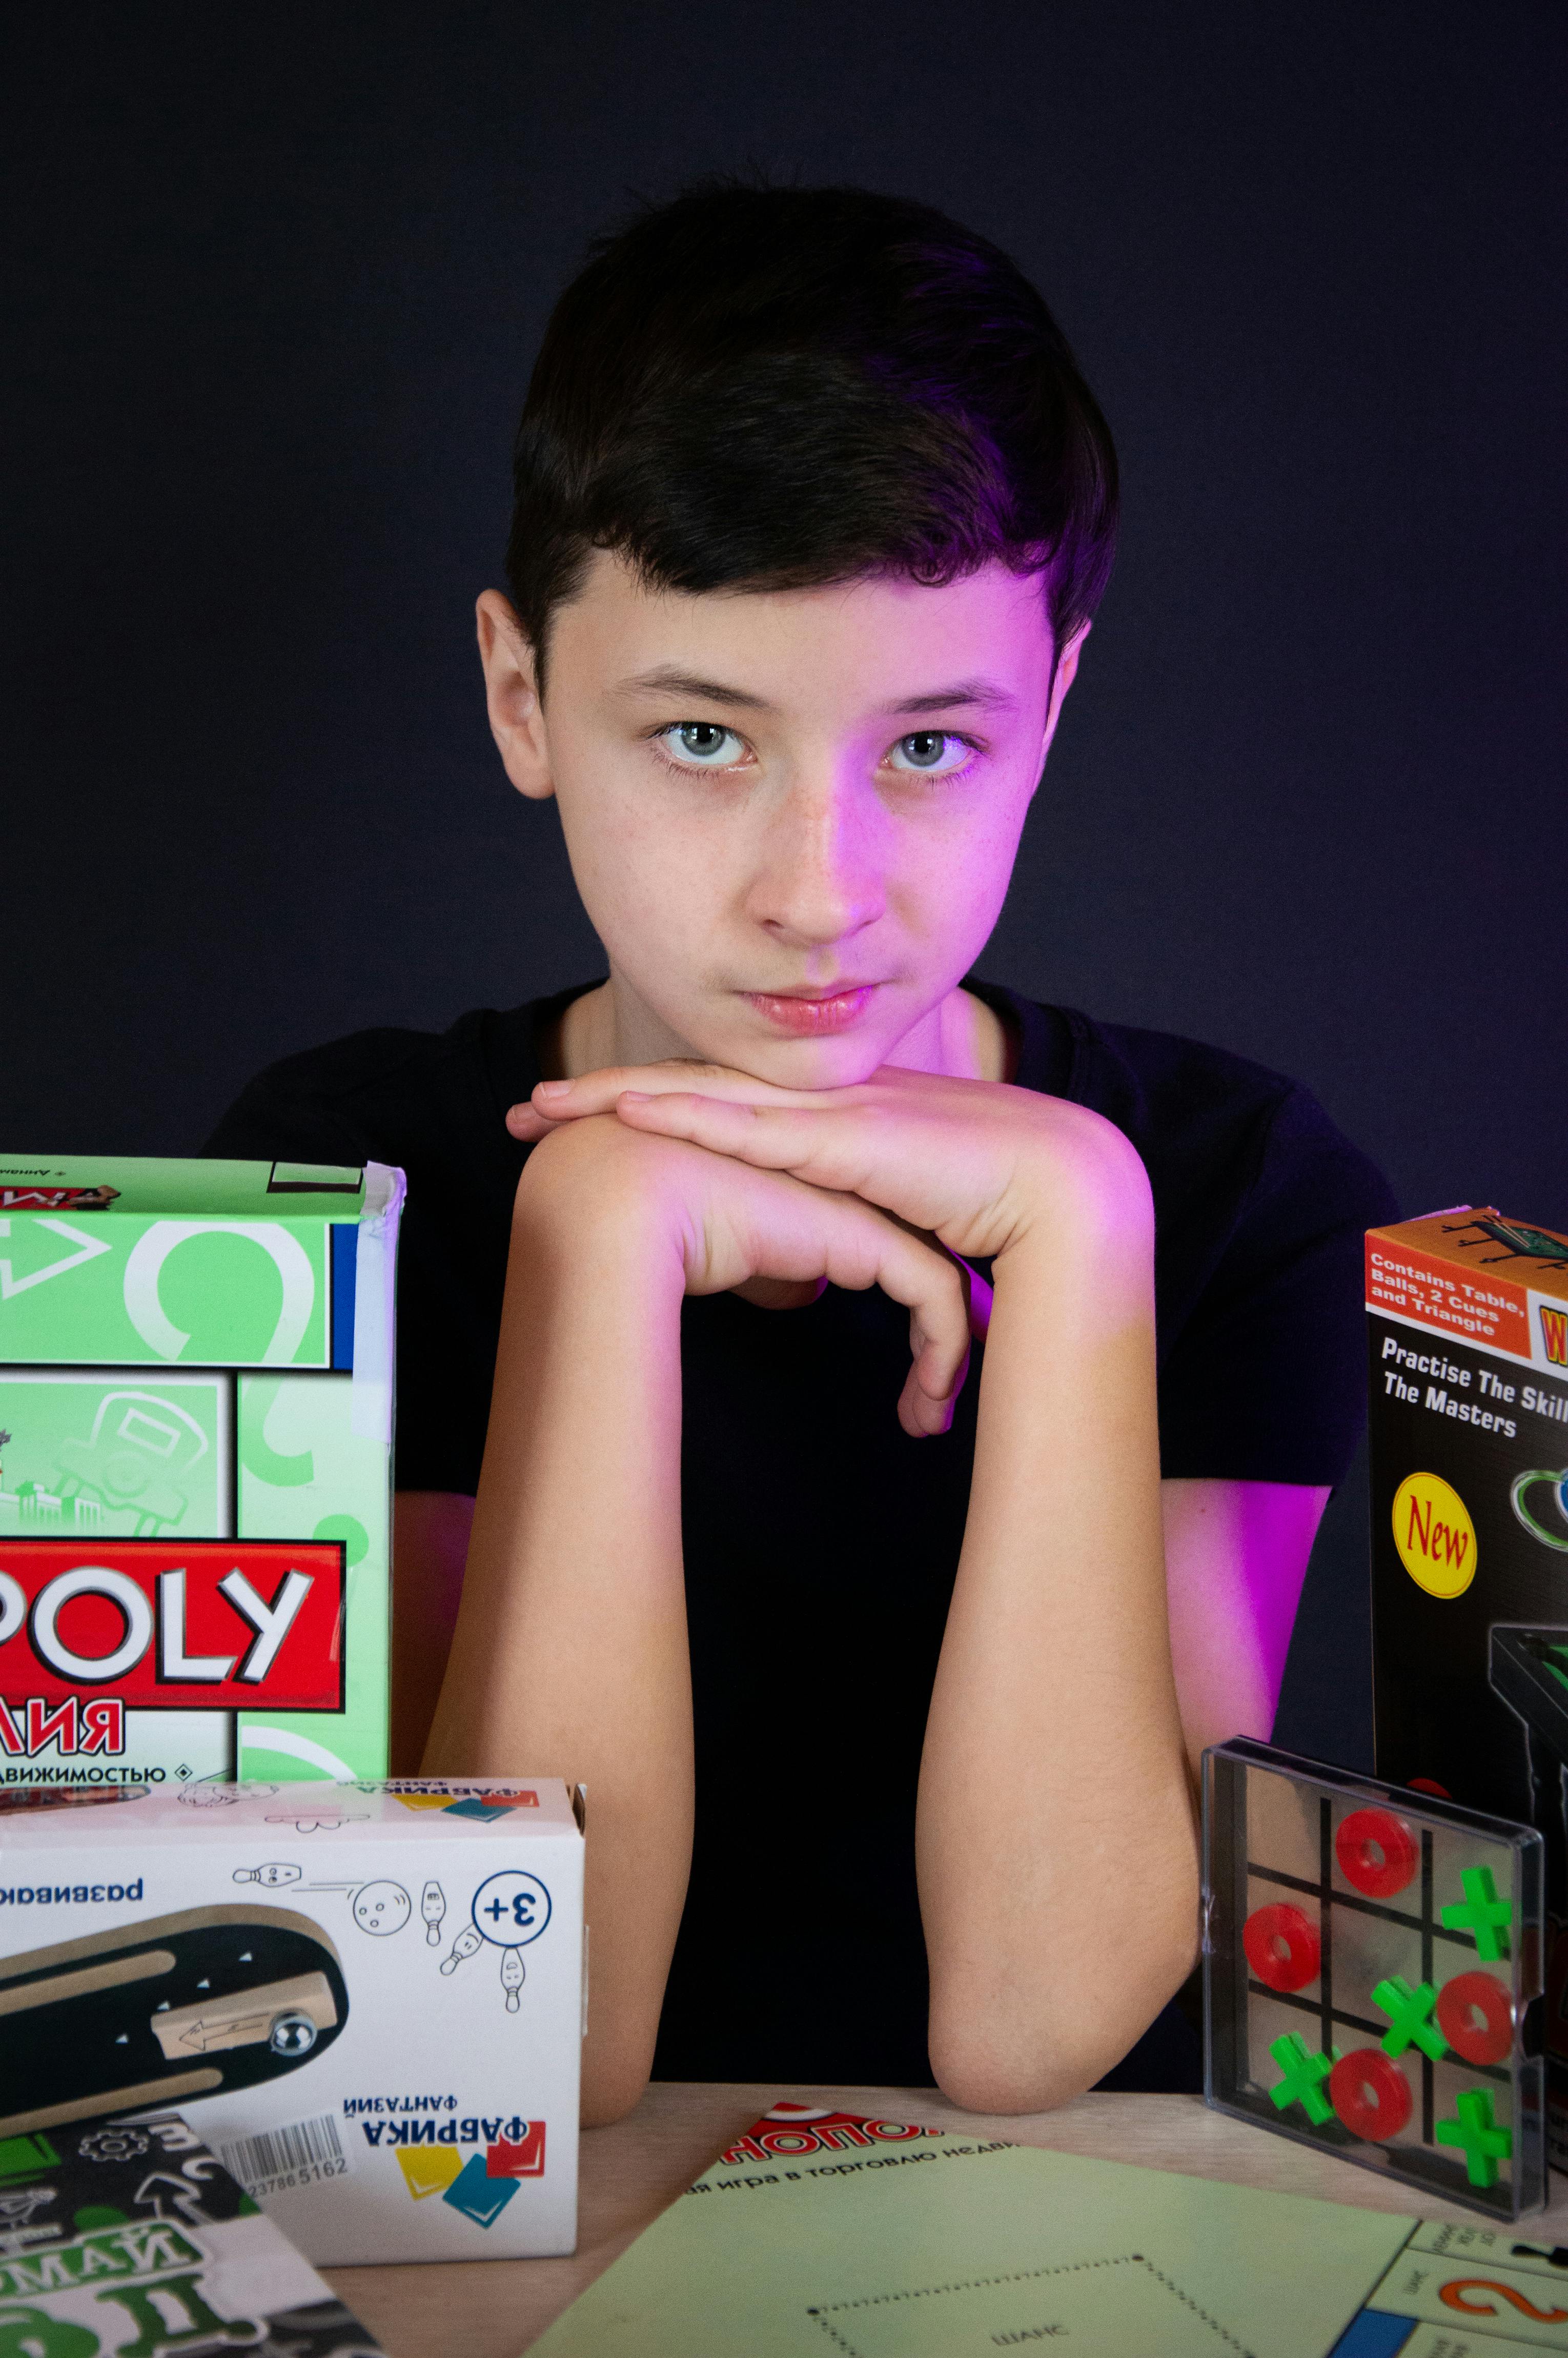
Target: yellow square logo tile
column 428, row 2168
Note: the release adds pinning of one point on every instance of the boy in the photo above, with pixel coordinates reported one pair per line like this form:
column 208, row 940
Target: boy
column 888, row 1719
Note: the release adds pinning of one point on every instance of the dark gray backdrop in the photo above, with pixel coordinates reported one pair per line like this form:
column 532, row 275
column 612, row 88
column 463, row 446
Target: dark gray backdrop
column 273, row 281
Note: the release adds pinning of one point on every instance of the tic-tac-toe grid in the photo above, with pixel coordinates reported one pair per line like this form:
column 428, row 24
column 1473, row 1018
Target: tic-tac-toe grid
column 1370, row 1960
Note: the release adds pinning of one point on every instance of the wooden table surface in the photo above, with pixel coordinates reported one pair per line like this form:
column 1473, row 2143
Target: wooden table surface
column 478, row 2309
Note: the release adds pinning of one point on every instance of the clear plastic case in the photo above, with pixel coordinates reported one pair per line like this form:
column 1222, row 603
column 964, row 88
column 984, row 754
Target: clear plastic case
column 1372, row 1976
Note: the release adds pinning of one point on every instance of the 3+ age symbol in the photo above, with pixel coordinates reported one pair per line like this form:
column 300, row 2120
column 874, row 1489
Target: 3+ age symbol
column 511, row 1908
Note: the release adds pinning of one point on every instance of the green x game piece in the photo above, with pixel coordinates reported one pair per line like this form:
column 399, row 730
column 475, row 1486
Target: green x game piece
column 1483, row 2143
column 1407, row 2010
column 1304, row 2077
column 1481, row 1912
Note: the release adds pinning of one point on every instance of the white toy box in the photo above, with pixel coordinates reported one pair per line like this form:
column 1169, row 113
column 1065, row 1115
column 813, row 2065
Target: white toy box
column 368, row 1998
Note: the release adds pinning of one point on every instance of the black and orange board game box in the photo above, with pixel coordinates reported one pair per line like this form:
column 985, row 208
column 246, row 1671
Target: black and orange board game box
column 1467, row 1334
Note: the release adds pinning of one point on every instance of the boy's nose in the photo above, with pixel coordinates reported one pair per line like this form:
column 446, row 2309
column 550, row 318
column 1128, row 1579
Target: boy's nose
column 820, row 877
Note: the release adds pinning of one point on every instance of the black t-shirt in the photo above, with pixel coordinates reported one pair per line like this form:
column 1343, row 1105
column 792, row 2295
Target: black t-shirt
column 820, row 1541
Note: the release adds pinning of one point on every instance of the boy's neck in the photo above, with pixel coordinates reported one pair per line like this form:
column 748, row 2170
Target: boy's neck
column 961, row 1036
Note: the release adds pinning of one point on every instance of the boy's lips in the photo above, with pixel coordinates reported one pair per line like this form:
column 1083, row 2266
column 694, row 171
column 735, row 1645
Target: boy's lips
column 810, row 1013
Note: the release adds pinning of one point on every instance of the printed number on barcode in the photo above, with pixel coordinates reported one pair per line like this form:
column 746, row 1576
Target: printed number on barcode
column 306, row 2146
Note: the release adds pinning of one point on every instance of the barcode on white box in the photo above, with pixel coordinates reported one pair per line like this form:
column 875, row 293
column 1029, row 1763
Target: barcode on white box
column 292, row 2156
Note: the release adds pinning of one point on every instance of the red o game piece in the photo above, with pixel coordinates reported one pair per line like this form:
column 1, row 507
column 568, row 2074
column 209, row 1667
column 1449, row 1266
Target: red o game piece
column 1377, row 1853
column 1460, row 2001
column 1370, row 2094
column 1283, row 1947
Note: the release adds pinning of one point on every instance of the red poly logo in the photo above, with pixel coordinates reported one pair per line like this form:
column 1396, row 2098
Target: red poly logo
column 171, row 1625
column 790, row 2131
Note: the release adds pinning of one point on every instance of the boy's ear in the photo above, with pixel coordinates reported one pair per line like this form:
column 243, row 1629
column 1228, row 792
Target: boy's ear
column 511, row 698
column 1066, row 671
column 1062, row 679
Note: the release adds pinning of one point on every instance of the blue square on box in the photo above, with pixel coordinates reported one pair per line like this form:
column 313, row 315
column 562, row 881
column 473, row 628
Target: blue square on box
column 477, row 2194
column 485, row 1811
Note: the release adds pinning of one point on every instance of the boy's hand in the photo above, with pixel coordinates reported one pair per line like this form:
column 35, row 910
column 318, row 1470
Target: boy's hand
column 599, row 1193
column 977, row 1165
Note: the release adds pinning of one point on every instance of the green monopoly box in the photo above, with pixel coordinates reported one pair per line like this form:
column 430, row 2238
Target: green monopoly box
column 196, row 1405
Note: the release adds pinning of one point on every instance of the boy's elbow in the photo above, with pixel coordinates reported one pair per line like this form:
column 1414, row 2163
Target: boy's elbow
column 1029, row 2051
column 615, row 2073
column 610, row 2095
column 992, row 2069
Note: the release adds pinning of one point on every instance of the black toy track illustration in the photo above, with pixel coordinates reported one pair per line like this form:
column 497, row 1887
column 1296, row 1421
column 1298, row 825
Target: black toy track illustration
column 1528, row 1669
column 157, row 2013
column 1518, row 1242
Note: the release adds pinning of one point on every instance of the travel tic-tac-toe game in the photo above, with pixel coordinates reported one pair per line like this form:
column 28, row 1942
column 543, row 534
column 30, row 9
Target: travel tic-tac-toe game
column 367, row 1998
column 196, row 1407
column 1372, row 1976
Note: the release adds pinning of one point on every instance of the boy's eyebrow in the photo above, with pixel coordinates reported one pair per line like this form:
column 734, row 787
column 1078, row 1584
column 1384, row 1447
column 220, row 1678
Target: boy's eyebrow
column 667, row 680
column 985, row 692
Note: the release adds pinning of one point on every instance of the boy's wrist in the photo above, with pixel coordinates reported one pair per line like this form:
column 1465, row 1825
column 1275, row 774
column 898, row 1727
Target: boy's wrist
column 1083, row 1200
column 585, row 1216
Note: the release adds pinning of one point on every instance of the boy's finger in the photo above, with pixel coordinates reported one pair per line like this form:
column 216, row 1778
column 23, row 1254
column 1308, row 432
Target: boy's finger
column 526, row 1122
column 864, row 1250
column 597, row 1092
column 833, row 1145
column 555, row 1102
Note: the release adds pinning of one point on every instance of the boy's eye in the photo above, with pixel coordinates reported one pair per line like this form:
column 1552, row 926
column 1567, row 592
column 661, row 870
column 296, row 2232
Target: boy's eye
column 704, row 743
column 930, row 750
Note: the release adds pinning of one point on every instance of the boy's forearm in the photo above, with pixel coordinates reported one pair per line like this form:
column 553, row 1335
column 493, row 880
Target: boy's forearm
column 571, row 1652
column 1057, row 1837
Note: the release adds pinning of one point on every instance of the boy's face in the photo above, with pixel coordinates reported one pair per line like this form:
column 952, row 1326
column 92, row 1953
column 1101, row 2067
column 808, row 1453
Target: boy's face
column 791, row 815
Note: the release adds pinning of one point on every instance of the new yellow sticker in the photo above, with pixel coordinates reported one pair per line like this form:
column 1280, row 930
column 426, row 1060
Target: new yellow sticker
column 1435, row 1535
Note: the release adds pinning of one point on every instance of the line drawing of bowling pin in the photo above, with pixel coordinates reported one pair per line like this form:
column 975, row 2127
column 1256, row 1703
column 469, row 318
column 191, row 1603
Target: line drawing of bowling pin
column 513, row 1974
column 432, row 1907
column 275, row 1872
column 467, row 1941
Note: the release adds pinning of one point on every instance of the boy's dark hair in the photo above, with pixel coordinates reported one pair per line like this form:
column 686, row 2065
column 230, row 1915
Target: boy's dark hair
column 773, row 388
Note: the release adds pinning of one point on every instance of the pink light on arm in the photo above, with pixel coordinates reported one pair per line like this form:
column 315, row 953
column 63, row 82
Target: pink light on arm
column 1235, row 1555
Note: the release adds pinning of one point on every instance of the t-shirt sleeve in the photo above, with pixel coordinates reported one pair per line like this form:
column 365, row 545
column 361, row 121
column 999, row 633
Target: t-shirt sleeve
column 450, row 1259
column 1265, row 1379
column 269, row 1122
